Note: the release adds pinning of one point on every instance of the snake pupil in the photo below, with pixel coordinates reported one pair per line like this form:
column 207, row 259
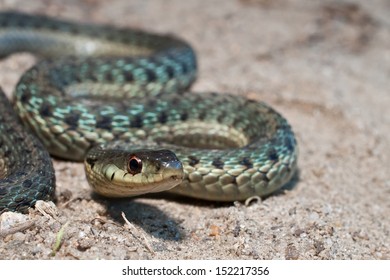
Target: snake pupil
column 134, row 165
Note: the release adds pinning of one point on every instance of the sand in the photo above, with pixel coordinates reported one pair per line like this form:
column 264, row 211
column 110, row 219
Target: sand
column 325, row 65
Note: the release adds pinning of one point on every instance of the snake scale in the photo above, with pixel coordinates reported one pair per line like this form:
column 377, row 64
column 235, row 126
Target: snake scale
column 118, row 100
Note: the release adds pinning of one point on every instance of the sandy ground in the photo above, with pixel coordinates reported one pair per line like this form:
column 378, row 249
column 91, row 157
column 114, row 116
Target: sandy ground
column 325, row 65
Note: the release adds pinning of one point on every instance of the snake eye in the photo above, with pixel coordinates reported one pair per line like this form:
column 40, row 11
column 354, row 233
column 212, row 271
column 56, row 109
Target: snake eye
column 134, row 165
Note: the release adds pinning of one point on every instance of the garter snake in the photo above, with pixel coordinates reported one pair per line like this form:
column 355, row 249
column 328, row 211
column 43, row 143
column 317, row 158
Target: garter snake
column 118, row 100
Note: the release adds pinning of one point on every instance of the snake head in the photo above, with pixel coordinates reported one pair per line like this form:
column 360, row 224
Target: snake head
column 123, row 173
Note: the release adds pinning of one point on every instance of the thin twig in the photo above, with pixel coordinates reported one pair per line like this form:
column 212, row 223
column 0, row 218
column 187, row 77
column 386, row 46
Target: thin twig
column 134, row 230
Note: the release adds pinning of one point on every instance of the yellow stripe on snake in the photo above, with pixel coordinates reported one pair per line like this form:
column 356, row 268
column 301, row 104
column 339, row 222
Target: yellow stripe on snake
column 118, row 100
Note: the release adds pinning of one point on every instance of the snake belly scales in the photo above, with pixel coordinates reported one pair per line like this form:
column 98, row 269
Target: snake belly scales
column 118, row 100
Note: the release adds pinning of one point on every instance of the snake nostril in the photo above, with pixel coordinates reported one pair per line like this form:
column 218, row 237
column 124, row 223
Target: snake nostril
column 176, row 177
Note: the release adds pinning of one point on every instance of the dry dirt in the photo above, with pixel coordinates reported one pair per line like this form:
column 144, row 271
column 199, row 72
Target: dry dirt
column 325, row 65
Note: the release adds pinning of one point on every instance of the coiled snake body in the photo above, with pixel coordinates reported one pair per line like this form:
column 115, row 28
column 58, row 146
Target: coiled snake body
column 108, row 96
